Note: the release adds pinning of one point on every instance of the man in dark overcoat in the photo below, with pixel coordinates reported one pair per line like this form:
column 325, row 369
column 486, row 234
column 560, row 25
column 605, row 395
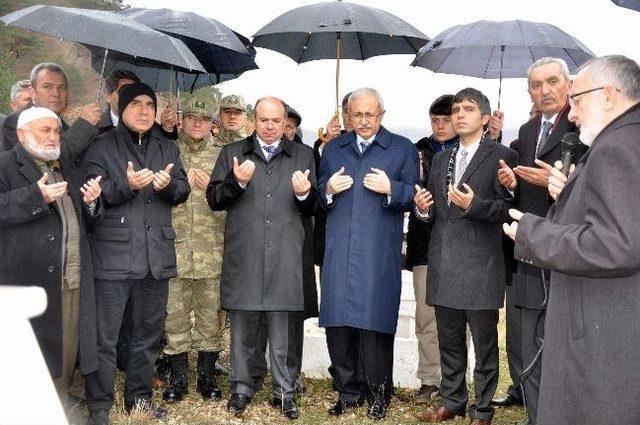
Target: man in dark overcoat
column 133, row 247
column 466, row 203
column 590, row 241
column 366, row 184
column 266, row 183
column 43, row 241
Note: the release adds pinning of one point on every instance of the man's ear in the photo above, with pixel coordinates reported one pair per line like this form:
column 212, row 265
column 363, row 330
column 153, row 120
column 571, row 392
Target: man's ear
column 485, row 119
column 21, row 134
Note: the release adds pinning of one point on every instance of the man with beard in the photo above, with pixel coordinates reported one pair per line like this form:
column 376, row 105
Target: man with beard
column 43, row 241
column 134, row 251
column 538, row 139
column 590, row 241
column 50, row 89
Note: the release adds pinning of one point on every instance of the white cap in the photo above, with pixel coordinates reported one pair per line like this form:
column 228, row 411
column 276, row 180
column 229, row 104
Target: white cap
column 35, row 113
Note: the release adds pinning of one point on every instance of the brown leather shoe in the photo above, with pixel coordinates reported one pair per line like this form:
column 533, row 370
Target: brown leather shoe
column 476, row 421
column 441, row 414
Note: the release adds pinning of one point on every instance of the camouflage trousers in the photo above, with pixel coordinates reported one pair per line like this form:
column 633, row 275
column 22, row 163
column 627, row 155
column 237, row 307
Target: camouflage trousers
column 203, row 331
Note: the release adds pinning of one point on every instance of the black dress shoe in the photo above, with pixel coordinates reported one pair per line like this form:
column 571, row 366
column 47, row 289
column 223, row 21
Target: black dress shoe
column 238, row 404
column 148, row 407
column 378, row 409
column 98, row 417
column 507, row 401
column 287, row 406
column 342, row 406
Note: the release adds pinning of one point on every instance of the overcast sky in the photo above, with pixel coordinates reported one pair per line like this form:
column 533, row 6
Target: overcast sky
column 407, row 91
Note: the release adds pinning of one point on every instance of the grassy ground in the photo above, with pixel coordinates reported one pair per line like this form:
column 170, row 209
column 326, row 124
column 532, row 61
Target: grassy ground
column 313, row 405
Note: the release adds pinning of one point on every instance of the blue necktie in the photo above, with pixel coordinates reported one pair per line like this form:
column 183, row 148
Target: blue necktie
column 269, row 151
column 364, row 146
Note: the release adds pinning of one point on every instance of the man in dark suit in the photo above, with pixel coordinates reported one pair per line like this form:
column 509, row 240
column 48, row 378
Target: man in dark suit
column 266, row 183
column 466, row 203
column 133, row 247
column 43, row 241
column 50, row 89
column 590, row 241
column 539, row 138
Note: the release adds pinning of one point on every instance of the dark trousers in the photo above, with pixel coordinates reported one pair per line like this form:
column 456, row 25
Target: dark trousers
column 248, row 351
column 532, row 333
column 148, row 304
column 452, row 325
column 362, row 362
column 514, row 342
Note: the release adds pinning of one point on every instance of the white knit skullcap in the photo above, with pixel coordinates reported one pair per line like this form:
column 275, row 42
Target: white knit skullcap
column 35, row 113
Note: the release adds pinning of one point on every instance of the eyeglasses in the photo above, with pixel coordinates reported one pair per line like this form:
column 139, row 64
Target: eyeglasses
column 572, row 98
column 358, row 116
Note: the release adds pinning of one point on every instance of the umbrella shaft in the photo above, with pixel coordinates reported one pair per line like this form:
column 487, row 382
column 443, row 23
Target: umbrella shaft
column 337, row 73
column 104, row 63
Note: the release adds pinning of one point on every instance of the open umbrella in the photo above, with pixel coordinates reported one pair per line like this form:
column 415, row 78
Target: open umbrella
column 488, row 49
column 105, row 30
column 220, row 50
column 629, row 4
column 338, row 30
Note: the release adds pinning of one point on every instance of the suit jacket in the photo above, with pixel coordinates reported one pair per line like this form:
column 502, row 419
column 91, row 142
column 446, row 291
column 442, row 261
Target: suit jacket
column 262, row 267
column 466, row 261
column 590, row 241
column 30, row 248
column 136, row 236
column 527, row 280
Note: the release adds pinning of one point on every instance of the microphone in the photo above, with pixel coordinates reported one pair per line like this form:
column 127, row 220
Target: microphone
column 570, row 143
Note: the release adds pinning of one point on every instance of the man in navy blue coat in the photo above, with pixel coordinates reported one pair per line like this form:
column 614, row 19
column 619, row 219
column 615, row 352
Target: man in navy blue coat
column 366, row 183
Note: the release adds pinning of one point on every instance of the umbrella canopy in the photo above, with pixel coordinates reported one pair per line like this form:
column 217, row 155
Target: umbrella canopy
column 488, row 49
column 629, row 4
column 220, row 50
column 96, row 28
column 311, row 32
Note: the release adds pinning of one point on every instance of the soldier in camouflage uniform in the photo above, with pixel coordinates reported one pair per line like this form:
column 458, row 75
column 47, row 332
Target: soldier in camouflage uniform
column 199, row 246
column 232, row 117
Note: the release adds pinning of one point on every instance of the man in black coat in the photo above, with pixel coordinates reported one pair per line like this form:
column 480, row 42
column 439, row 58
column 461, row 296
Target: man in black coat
column 50, row 89
column 266, row 183
column 539, row 138
column 43, row 241
column 442, row 138
column 134, row 251
column 466, row 203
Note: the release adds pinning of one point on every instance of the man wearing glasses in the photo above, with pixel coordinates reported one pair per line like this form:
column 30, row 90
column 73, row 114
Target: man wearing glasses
column 538, row 139
column 366, row 184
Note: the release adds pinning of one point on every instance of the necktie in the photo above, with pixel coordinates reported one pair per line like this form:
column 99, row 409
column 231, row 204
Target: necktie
column 462, row 165
column 269, row 151
column 364, row 146
column 546, row 128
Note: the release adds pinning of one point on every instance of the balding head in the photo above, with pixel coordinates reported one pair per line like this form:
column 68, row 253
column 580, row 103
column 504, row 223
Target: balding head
column 271, row 114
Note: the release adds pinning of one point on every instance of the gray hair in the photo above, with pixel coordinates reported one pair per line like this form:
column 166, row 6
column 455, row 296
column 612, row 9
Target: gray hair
column 364, row 92
column 617, row 70
column 19, row 87
column 546, row 61
column 53, row 67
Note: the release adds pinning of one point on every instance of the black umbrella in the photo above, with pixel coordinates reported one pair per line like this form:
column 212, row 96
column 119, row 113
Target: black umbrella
column 338, row 30
column 629, row 4
column 488, row 49
column 222, row 52
column 105, row 30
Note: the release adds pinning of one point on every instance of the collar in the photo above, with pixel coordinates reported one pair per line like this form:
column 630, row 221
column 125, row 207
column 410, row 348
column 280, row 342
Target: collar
column 114, row 118
column 442, row 146
column 252, row 142
column 470, row 149
column 370, row 140
column 382, row 138
column 552, row 119
column 263, row 144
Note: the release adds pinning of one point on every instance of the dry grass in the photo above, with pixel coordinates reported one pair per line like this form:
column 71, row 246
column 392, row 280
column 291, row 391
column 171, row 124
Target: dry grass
column 313, row 405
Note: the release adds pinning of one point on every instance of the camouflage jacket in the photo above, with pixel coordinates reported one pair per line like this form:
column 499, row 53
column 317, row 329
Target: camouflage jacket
column 199, row 231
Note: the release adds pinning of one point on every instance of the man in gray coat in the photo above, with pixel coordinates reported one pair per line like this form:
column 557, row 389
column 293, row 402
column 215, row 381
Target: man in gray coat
column 590, row 241
column 265, row 183
column 466, row 263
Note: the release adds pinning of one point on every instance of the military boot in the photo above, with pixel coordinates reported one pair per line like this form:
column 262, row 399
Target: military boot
column 207, row 383
column 178, row 382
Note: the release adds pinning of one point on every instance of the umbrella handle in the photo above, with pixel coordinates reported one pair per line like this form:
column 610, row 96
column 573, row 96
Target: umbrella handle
column 500, row 83
column 104, row 63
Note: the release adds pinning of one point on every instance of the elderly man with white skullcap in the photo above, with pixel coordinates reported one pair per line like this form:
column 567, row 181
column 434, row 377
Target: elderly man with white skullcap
column 43, row 241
